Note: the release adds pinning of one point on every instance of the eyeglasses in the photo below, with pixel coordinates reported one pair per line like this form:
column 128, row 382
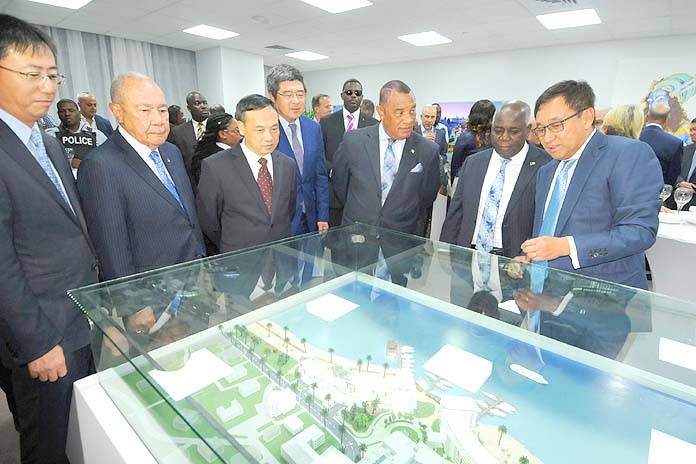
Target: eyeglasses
column 234, row 131
column 555, row 127
column 38, row 77
column 289, row 94
column 350, row 92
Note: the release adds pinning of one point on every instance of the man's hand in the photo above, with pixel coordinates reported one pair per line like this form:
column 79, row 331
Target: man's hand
column 50, row 366
column 142, row 321
column 687, row 185
column 515, row 268
column 322, row 226
column 119, row 343
column 430, row 135
column 75, row 163
column 528, row 300
column 546, row 248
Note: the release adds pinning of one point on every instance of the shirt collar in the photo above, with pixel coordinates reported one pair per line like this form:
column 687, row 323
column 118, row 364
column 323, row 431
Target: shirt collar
column 286, row 124
column 250, row 155
column 517, row 158
column 654, row 124
column 142, row 150
column 384, row 138
column 356, row 115
column 21, row 130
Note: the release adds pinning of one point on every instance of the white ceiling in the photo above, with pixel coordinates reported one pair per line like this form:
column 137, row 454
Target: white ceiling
column 364, row 36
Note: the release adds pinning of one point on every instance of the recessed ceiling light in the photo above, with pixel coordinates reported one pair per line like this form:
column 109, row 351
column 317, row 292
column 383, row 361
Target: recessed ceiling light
column 333, row 6
column 210, row 32
column 72, row 4
column 423, row 39
column 569, row 19
column 307, row 56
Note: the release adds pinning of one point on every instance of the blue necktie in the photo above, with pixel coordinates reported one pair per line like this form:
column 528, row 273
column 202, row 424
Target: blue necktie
column 389, row 170
column 164, row 178
column 45, row 162
column 297, row 148
column 548, row 224
column 486, row 232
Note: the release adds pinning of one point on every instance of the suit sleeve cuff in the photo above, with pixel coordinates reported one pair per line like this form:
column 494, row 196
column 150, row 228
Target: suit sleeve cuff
column 573, row 253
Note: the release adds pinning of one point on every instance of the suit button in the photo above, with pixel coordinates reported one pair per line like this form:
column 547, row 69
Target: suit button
column 199, row 256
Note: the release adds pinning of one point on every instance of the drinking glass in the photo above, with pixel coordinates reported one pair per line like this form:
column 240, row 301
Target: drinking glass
column 666, row 192
column 682, row 196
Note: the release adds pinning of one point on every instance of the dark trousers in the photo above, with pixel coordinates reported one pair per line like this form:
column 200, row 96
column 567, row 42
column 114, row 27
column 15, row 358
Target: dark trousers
column 43, row 409
column 335, row 216
column 6, row 385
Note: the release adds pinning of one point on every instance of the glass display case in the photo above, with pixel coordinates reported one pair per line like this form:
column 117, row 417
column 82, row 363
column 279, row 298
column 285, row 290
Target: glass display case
column 365, row 345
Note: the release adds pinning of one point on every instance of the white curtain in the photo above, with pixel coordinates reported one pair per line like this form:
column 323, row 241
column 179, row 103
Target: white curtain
column 91, row 61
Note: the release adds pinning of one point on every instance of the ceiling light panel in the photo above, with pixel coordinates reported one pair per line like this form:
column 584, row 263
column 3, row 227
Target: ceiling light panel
column 306, row 56
column 72, row 4
column 210, row 32
column 568, row 19
column 424, row 39
column 336, row 6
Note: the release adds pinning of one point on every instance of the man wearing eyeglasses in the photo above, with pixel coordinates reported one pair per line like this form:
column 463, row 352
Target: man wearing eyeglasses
column 300, row 139
column 334, row 126
column 597, row 202
column 44, row 251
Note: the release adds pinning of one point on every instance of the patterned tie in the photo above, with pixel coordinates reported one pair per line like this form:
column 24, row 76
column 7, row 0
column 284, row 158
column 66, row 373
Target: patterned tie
column 486, row 232
column 548, row 224
column 266, row 184
column 45, row 162
column 199, row 130
column 164, row 178
column 350, row 122
column 297, row 148
column 389, row 170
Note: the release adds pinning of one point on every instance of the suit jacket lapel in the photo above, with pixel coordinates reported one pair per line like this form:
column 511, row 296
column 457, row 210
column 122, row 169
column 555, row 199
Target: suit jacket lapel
column 527, row 173
column 180, row 178
column 141, row 168
column 409, row 159
column 588, row 159
column 474, row 184
column 278, row 175
column 372, row 149
column 361, row 120
column 246, row 176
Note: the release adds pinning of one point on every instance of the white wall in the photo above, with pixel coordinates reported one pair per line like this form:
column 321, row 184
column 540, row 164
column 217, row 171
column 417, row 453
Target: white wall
column 226, row 75
column 619, row 71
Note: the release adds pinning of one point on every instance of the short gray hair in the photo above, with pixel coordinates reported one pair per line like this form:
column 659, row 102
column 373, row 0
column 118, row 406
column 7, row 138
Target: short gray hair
column 392, row 86
column 282, row 73
column 316, row 100
column 84, row 94
column 120, row 81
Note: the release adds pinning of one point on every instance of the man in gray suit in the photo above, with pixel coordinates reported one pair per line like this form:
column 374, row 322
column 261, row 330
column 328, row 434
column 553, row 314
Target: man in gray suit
column 247, row 193
column 385, row 175
column 493, row 206
column 44, row 251
column 687, row 175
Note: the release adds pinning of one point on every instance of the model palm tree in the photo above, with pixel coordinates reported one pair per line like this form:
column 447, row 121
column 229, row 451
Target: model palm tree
column 314, row 387
column 298, row 375
column 385, row 366
column 327, row 398
column 523, row 460
column 286, row 328
column 287, row 343
column 360, row 363
column 268, row 326
column 503, row 430
column 324, row 414
column 342, row 429
column 331, row 352
column 304, row 344
column 369, row 358
column 362, row 448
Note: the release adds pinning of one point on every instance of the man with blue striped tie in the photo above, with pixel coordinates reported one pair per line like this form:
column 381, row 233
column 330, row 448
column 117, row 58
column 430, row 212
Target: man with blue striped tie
column 597, row 203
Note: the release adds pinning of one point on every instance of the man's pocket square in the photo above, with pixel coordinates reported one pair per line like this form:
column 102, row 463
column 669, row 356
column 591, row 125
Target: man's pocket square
column 417, row 168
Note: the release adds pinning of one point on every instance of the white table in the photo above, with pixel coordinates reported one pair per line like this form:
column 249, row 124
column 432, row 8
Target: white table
column 673, row 261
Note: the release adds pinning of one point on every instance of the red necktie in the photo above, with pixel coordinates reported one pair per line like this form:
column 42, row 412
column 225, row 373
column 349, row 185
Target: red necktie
column 266, row 184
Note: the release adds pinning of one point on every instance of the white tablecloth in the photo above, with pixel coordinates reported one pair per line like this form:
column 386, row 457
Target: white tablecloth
column 672, row 260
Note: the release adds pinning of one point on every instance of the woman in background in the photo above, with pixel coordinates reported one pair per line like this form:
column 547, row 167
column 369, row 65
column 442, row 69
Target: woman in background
column 477, row 135
column 624, row 120
column 221, row 132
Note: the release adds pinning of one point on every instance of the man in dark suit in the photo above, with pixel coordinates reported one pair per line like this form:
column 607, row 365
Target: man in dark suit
column 493, row 206
column 187, row 135
column 385, row 175
column 333, row 127
column 88, row 109
column 236, row 208
column 687, row 175
column 137, row 197
column 44, row 251
column 592, row 215
column 667, row 147
column 300, row 139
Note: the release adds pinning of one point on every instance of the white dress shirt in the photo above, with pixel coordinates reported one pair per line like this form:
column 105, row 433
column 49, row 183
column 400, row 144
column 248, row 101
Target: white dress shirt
column 253, row 160
column 397, row 148
column 571, row 242
column 288, row 132
column 195, row 124
column 356, row 118
column 144, row 152
column 224, row 146
column 512, row 172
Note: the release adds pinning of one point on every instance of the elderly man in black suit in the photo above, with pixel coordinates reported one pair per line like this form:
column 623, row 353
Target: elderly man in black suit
column 493, row 206
column 187, row 135
column 385, row 175
column 667, row 147
column 44, row 251
column 334, row 126
column 137, row 197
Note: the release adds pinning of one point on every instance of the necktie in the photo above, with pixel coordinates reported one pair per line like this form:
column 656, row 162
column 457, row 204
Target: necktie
column 389, row 170
column 266, row 184
column 297, row 148
column 486, row 232
column 45, row 162
column 548, row 224
column 199, row 130
column 164, row 178
column 350, row 122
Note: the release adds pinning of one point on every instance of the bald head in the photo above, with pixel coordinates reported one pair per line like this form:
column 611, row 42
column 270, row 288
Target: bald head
column 658, row 113
column 139, row 106
column 428, row 116
column 510, row 127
